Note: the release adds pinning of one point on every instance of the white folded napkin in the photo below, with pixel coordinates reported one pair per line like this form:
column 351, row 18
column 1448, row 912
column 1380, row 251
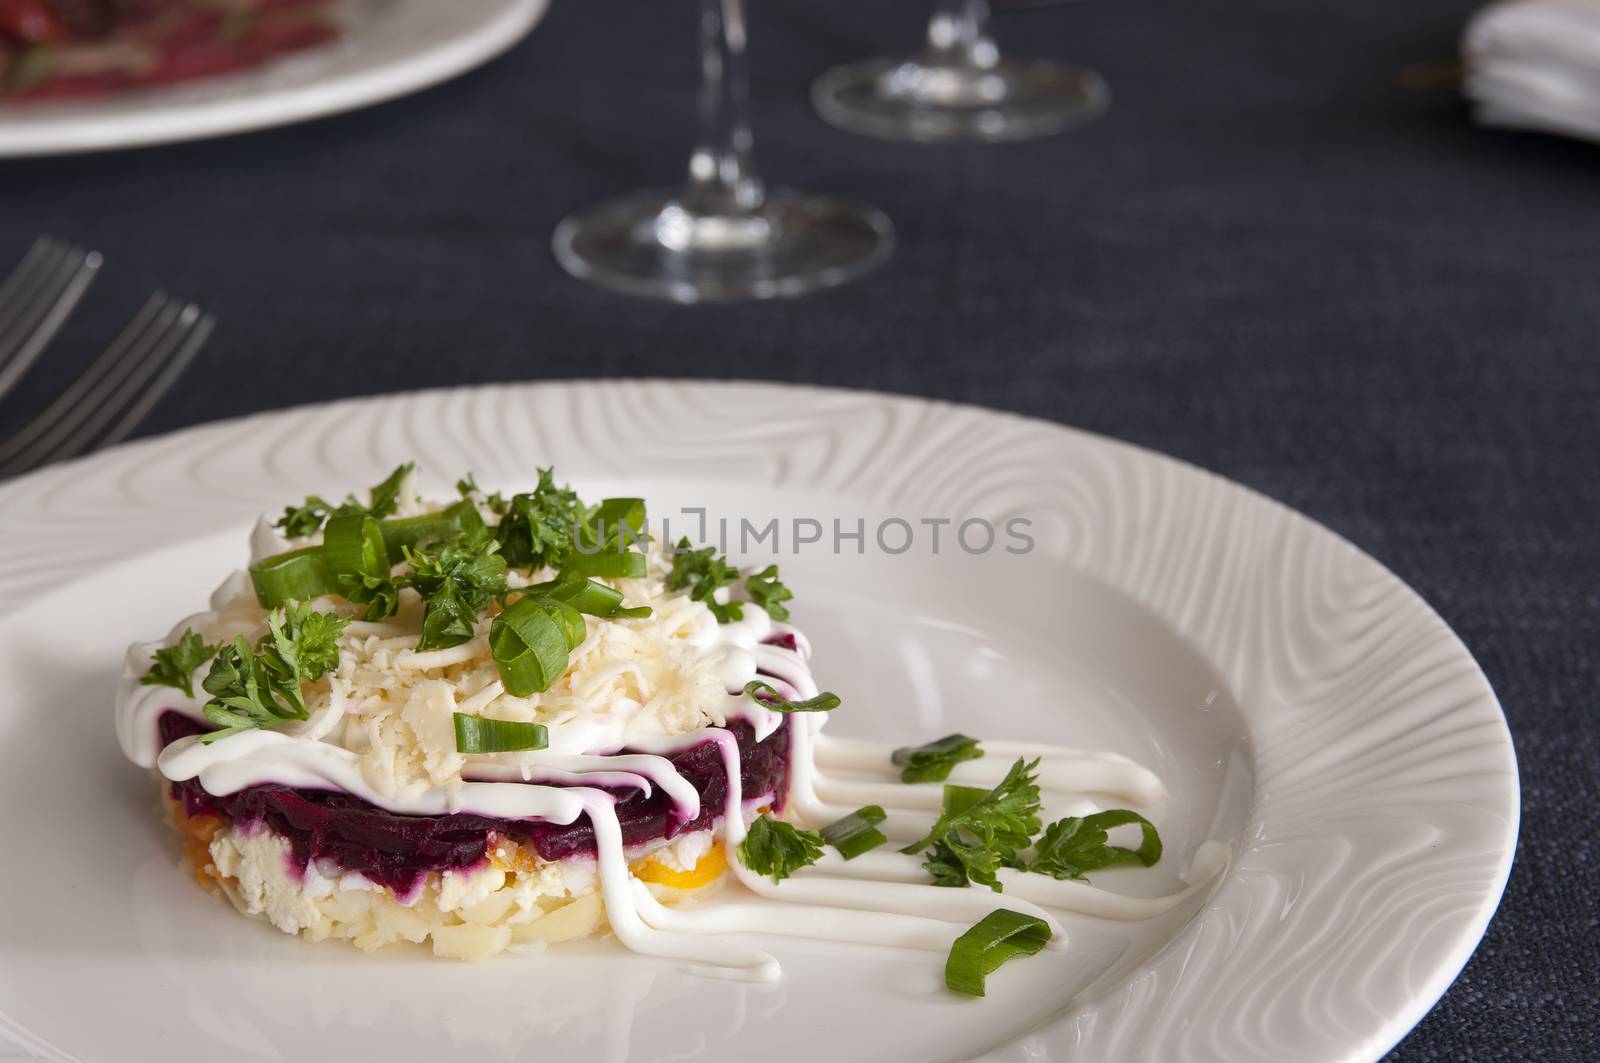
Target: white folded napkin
column 1535, row 64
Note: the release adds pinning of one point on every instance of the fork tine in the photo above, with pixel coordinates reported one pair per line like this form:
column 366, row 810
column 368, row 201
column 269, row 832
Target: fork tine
column 27, row 272
column 55, row 426
column 115, row 390
column 71, row 433
column 49, row 286
column 32, row 279
column 28, row 282
column 70, row 399
column 182, row 351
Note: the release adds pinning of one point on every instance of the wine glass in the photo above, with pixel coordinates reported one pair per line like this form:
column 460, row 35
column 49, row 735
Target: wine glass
column 723, row 234
column 959, row 88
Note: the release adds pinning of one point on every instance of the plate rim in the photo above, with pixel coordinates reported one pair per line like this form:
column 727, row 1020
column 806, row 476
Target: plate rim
column 80, row 127
column 1399, row 1020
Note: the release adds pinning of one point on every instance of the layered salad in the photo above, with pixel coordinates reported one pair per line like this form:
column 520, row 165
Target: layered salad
column 56, row 48
column 498, row 722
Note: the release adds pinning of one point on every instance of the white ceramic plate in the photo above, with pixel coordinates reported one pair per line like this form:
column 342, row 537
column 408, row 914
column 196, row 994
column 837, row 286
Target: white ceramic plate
column 1308, row 711
column 389, row 48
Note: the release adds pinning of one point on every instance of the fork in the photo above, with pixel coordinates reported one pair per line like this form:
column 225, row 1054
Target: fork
column 118, row 388
column 35, row 301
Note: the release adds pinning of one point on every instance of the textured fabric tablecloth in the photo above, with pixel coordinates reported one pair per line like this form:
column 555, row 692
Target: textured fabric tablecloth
column 1277, row 258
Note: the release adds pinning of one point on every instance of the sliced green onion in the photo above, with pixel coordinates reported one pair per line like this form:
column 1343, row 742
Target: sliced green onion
column 605, row 564
column 479, row 734
column 638, row 612
column 296, row 576
column 856, row 833
column 613, row 513
column 996, row 938
column 584, row 595
column 775, row 701
column 402, row 532
column 571, row 621
column 352, row 546
column 957, row 799
column 530, row 643
column 933, row 762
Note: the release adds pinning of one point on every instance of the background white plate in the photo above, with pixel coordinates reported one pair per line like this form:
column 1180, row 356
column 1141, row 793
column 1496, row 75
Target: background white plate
column 390, row 48
column 1308, row 710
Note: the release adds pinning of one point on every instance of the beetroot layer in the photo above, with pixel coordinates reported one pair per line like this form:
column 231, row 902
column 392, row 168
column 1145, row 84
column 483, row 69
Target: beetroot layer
column 397, row 850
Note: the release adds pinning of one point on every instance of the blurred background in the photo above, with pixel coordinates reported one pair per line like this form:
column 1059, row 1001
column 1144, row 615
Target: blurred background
column 1286, row 253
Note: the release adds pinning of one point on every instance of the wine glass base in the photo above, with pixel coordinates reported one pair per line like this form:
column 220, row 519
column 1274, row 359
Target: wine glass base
column 655, row 244
column 935, row 100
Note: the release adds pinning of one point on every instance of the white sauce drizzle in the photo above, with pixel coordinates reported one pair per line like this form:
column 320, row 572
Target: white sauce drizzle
column 880, row 898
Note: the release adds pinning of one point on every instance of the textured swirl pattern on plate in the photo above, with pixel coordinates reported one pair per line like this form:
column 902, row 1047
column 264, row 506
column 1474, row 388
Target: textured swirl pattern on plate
column 1386, row 805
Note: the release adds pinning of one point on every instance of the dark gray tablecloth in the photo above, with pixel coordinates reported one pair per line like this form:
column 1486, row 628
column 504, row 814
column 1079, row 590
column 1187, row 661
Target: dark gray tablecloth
column 1276, row 258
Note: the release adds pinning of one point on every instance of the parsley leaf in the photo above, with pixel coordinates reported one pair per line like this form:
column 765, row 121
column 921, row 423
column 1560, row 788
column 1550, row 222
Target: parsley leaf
column 261, row 688
column 979, row 831
column 778, row 849
column 384, row 498
column 380, row 594
column 1075, row 845
column 457, row 580
column 175, row 665
column 300, row 521
column 705, row 573
column 467, row 486
column 766, row 591
column 301, row 646
column 305, row 519
column 934, row 761
column 537, row 528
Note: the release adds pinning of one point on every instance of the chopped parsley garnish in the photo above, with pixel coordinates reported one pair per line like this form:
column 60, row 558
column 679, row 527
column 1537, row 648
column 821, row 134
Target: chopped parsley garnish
column 457, row 580
column 775, row 701
column 704, row 573
column 305, row 519
column 467, row 486
column 1078, row 844
column 384, row 498
column 980, row 831
column 458, row 566
column 175, row 665
column 766, row 591
column 260, row 687
column 778, row 849
column 479, row 734
column 994, row 939
column 933, row 762
column 300, row 521
column 537, row 527
column 856, row 833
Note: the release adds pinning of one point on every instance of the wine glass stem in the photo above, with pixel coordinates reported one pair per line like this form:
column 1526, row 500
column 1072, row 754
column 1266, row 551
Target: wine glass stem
column 722, row 177
column 958, row 34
